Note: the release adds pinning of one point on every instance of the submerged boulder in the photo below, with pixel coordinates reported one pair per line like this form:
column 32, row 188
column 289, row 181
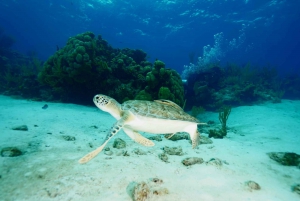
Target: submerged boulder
column 285, row 158
column 10, row 152
column 20, row 128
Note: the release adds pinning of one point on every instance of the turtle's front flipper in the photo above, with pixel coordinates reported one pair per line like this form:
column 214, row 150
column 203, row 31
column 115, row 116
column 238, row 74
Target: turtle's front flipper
column 138, row 137
column 113, row 131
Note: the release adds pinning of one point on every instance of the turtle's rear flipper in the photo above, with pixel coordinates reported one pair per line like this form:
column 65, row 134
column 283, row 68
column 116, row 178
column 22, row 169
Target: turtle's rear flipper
column 194, row 134
column 138, row 137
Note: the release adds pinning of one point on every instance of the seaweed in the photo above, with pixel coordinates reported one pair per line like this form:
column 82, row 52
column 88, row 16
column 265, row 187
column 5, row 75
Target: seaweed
column 223, row 117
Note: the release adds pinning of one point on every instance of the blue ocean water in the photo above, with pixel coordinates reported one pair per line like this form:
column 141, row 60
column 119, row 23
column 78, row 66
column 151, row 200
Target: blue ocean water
column 262, row 32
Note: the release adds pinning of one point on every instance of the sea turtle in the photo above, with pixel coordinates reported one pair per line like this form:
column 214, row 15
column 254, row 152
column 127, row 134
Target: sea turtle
column 157, row 117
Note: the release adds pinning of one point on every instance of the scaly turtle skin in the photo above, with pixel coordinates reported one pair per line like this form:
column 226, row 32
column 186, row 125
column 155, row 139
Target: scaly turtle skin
column 157, row 117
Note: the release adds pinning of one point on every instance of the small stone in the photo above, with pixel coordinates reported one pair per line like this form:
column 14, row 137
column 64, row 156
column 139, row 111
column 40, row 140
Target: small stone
column 296, row 189
column 252, row 185
column 163, row 157
column 192, row 161
column 119, row 143
column 225, row 162
column 125, row 153
column 216, row 133
column 138, row 151
column 215, row 162
column 173, row 150
column 107, row 149
column 205, row 140
column 69, row 138
column 142, row 192
column 109, row 153
column 10, row 152
column 122, row 153
column 20, row 128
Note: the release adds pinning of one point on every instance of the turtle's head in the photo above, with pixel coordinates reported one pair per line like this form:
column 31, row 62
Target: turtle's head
column 108, row 104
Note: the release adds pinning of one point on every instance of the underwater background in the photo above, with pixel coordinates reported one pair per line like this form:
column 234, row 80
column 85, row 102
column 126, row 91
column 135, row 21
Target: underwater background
column 72, row 49
column 232, row 65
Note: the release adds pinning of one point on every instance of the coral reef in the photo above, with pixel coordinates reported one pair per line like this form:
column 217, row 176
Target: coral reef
column 164, row 83
column 88, row 65
column 291, row 86
column 18, row 74
column 196, row 110
column 215, row 86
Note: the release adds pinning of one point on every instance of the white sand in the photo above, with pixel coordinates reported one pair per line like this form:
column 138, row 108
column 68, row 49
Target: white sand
column 49, row 170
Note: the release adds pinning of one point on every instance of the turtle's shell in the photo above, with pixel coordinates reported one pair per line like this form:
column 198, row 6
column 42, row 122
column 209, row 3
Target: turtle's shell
column 160, row 109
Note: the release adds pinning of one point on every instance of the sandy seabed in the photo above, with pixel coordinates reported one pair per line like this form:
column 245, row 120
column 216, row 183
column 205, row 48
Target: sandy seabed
column 48, row 169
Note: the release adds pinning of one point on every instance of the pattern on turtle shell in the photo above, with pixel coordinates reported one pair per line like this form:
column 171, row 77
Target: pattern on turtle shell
column 157, row 110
